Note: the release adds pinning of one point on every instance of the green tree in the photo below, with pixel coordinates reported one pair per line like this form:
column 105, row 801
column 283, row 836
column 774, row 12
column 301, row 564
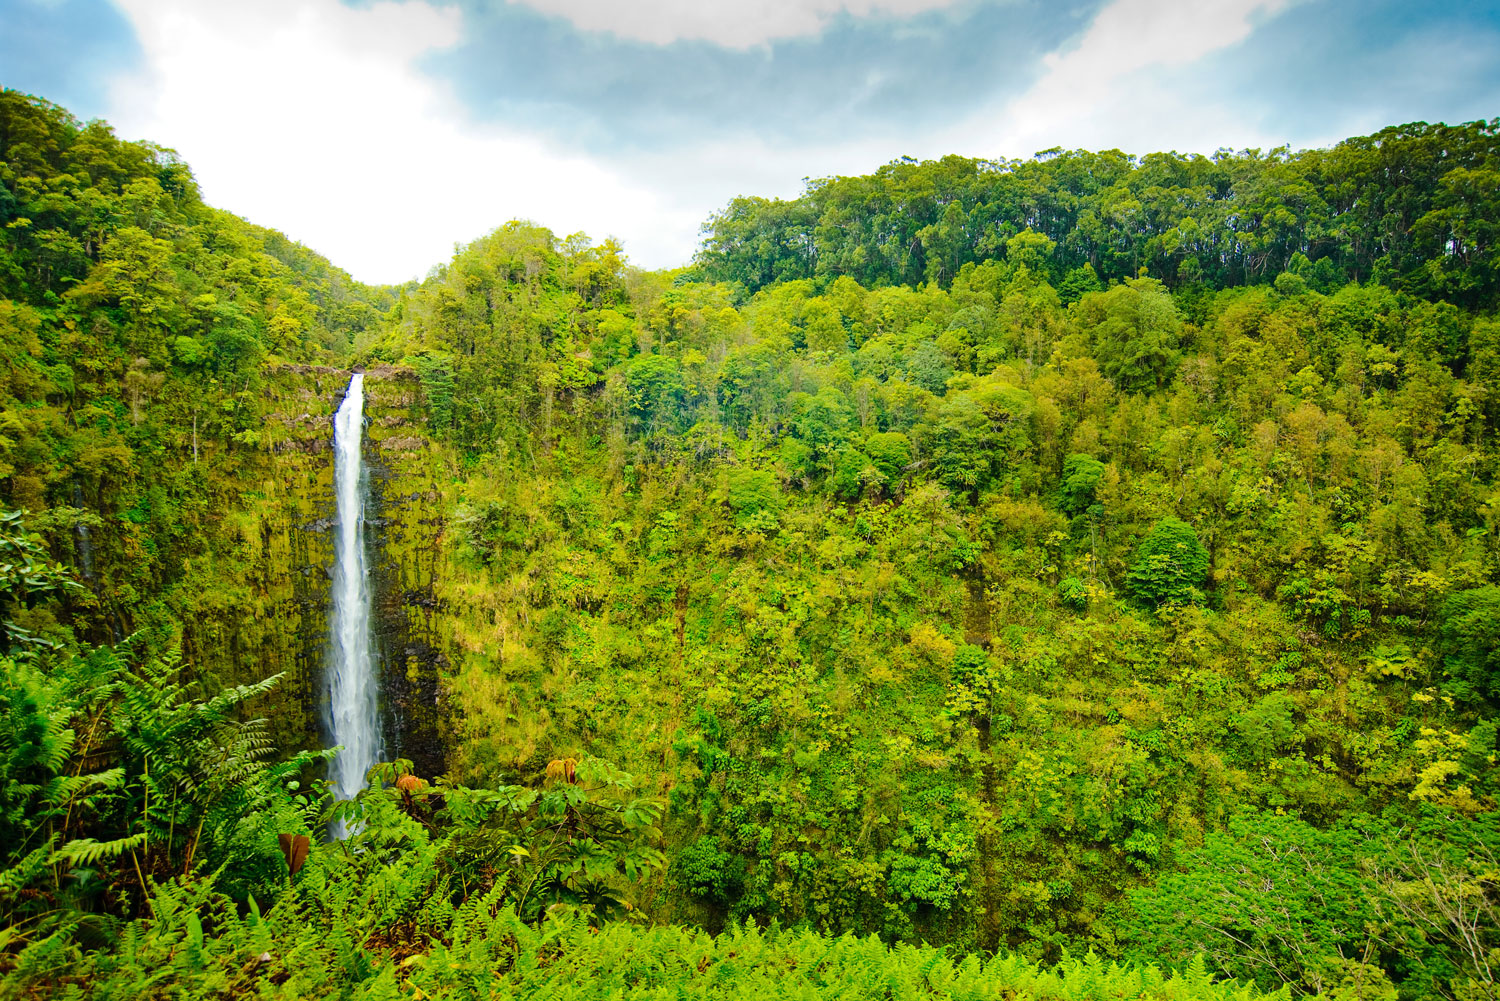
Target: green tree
column 656, row 390
column 134, row 273
column 1134, row 329
column 890, row 453
column 753, row 496
column 963, row 445
column 1031, row 250
column 1078, row 283
column 928, row 367
column 1169, row 567
column 1080, row 478
column 1272, row 900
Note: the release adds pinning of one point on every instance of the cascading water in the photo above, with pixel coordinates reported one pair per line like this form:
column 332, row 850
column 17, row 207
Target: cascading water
column 85, row 544
column 353, row 713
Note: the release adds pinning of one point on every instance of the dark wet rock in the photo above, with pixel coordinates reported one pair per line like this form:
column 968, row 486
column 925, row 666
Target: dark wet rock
column 402, row 444
column 305, row 446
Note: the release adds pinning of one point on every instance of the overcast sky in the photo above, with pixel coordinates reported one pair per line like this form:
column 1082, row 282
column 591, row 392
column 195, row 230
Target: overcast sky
column 381, row 134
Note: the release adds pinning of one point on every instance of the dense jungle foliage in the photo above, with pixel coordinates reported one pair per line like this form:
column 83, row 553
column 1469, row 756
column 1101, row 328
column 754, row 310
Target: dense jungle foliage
column 1083, row 555
column 1412, row 207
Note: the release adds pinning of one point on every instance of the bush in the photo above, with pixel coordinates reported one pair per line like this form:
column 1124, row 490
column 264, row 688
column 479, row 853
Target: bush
column 1073, row 593
column 752, row 493
column 890, row 452
column 847, row 481
column 1322, row 909
column 656, row 391
column 709, row 872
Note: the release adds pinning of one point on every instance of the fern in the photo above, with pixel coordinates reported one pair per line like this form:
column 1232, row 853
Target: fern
column 88, row 852
column 67, row 788
column 25, row 871
column 43, row 957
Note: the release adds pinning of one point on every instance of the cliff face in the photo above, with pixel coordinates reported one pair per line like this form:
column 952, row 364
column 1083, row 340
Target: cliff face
column 258, row 604
column 270, row 563
column 405, row 471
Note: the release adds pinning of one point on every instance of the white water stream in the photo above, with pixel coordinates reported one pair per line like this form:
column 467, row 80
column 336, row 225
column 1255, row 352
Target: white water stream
column 354, row 717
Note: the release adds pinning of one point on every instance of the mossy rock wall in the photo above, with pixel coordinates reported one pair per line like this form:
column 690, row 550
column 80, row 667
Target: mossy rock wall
column 267, row 572
column 406, row 517
column 260, row 601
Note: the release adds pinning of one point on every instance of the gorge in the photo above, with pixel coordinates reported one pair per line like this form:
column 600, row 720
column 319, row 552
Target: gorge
column 983, row 596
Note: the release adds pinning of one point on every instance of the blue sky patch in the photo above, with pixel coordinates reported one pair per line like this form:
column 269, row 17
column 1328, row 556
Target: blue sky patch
column 65, row 51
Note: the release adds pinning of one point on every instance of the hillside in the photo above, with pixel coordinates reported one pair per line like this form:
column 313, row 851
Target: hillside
column 1082, row 554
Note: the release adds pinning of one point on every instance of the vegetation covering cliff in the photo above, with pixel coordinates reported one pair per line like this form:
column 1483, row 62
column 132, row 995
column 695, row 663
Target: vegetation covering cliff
column 1081, row 554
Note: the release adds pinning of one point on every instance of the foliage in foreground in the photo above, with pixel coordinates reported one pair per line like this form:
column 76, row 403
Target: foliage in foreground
column 965, row 616
column 294, row 948
column 1275, row 900
column 136, row 863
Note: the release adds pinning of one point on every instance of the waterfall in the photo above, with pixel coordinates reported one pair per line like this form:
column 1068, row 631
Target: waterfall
column 85, row 544
column 353, row 714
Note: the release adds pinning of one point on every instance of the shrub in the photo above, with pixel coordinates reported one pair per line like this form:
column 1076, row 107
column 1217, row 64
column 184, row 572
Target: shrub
column 1073, row 593
column 1470, row 634
column 752, row 493
column 709, row 872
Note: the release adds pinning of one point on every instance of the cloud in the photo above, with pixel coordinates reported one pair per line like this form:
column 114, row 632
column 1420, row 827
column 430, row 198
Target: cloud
column 1134, row 34
column 380, row 134
column 734, row 24
column 1324, row 71
column 1106, row 90
column 1199, row 76
column 313, row 117
column 859, row 77
column 334, row 123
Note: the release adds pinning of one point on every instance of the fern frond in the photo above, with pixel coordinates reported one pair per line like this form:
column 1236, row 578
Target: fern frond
column 19, row 876
column 66, row 787
column 226, row 700
column 57, row 746
column 87, row 851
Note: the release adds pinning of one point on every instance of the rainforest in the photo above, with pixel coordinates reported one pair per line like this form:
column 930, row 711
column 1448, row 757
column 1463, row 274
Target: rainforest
column 1072, row 577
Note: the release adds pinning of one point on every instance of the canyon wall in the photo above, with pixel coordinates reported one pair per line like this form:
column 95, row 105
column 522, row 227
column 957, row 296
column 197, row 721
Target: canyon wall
column 270, row 558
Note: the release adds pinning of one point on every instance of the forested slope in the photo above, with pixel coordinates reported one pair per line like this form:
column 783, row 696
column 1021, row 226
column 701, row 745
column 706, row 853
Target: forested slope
column 141, row 328
column 1412, row 207
column 1059, row 590
column 962, row 614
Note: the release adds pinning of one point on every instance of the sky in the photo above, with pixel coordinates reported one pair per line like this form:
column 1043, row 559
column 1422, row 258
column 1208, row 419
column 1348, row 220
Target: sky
column 384, row 134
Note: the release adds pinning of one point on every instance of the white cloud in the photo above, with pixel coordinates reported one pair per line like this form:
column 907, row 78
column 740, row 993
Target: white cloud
column 1134, row 34
column 1112, row 88
column 1115, row 87
column 312, row 117
column 735, row 24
